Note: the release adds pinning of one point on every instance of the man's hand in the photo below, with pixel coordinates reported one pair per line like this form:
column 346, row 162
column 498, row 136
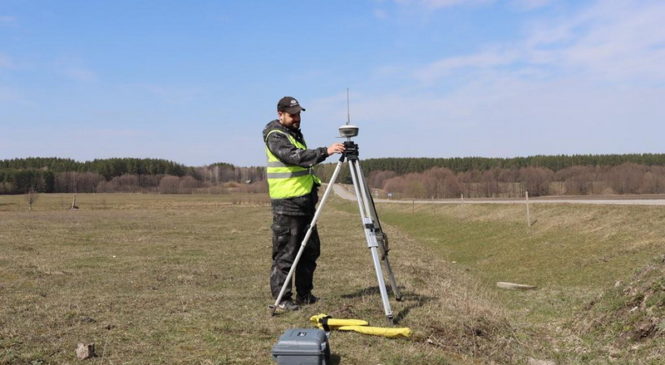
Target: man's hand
column 335, row 148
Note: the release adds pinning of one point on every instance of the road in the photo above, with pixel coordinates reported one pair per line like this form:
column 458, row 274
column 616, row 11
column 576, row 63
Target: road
column 346, row 192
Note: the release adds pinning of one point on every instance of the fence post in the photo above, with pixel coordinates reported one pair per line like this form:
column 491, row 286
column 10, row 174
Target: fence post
column 528, row 216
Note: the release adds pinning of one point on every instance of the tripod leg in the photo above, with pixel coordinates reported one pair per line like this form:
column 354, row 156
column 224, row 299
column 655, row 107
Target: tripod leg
column 391, row 277
column 382, row 238
column 307, row 235
column 370, row 236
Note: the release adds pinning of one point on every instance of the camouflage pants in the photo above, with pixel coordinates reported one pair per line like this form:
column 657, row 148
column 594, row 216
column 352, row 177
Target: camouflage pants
column 287, row 235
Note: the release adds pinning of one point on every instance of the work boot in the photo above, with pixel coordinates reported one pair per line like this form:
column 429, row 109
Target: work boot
column 288, row 305
column 308, row 298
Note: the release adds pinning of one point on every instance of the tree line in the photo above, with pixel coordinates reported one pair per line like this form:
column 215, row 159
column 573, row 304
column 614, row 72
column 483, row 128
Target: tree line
column 555, row 163
column 108, row 168
column 59, row 175
column 442, row 183
column 508, row 177
column 405, row 177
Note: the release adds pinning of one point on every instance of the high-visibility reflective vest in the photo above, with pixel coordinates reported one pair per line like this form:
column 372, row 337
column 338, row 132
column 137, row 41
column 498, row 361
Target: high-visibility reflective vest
column 288, row 181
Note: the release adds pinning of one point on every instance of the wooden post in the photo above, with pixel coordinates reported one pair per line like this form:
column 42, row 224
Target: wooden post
column 528, row 216
column 74, row 206
column 30, row 197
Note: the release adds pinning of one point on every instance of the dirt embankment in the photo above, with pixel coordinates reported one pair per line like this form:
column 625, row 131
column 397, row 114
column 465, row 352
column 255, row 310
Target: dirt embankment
column 629, row 319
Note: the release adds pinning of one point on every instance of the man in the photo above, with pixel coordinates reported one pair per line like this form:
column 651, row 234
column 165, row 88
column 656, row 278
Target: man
column 293, row 193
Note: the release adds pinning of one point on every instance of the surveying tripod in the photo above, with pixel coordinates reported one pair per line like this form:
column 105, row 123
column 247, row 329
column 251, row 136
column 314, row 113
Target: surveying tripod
column 377, row 241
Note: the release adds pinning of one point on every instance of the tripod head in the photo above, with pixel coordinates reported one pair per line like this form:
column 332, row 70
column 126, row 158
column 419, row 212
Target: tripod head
column 350, row 148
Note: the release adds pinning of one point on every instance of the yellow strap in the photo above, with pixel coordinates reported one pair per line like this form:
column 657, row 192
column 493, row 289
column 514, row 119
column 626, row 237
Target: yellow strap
column 333, row 323
column 379, row 331
column 358, row 325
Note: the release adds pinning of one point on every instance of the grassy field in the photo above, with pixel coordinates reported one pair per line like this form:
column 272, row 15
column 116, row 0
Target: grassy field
column 183, row 279
column 577, row 256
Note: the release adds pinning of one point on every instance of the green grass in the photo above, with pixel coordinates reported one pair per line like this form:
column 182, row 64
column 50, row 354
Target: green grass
column 573, row 254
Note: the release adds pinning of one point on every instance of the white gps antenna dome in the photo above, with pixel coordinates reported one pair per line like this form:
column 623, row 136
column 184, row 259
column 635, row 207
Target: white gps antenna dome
column 348, row 131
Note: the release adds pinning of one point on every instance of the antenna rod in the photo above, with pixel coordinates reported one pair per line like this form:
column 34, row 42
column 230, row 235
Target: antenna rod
column 348, row 113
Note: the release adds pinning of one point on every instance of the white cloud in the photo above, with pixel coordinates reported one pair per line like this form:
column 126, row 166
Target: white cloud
column 615, row 41
column 505, row 116
column 575, row 84
column 620, row 41
column 485, row 59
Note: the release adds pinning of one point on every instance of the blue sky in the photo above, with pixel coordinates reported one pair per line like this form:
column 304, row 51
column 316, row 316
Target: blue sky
column 196, row 81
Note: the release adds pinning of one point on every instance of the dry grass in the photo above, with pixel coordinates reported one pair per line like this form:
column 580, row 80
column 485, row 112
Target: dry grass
column 184, row 279
column 630, row 315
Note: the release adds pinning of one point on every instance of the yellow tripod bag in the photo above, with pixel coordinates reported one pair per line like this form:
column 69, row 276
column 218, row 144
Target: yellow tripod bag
column 328, row 323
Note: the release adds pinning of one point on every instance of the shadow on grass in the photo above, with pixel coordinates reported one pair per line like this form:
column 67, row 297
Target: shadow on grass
column 372, row 290
column 335, row 359
column 413, row 300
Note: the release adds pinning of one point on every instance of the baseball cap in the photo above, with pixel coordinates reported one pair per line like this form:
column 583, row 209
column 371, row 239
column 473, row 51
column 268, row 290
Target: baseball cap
column 290, row 105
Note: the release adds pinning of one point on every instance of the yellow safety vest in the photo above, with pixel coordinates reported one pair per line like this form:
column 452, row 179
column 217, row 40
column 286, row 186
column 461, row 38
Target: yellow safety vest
column 288, row 181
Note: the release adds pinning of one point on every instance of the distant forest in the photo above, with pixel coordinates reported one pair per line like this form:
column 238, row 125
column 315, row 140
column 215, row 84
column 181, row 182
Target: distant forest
column 402, row 177
column 476, row 177
column 59, row 175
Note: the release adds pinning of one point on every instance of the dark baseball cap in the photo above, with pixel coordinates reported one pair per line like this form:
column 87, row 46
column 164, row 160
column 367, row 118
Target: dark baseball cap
column 290, row 105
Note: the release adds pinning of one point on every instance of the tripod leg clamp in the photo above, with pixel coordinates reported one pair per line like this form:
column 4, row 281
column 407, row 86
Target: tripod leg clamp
column 370, row 228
